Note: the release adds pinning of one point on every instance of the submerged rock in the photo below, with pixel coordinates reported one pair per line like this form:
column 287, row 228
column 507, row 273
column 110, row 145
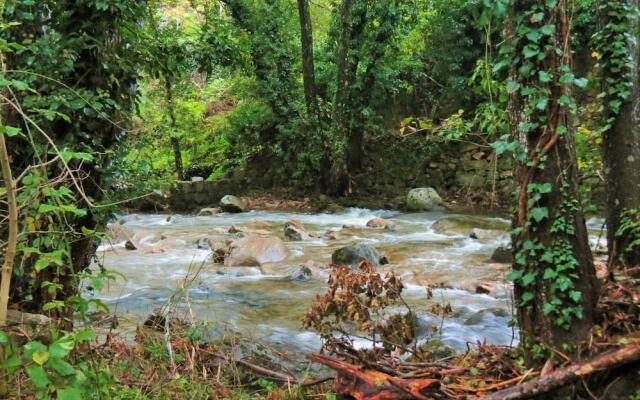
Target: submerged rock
column 294, row 231
column 300, row 274
column 355, row 254
column 255, row 251
column 502, row 255
column 209, row 212
column 423, row 199
column 378, row 223
column 233, row 204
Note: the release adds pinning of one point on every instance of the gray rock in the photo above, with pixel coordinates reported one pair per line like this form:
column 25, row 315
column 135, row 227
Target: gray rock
column 355, row 254
column 300, row 274
column 502, row 255
column 294, row 231
column 233, row 204
column 379, row 223
column 423, row 199
column 255, row 251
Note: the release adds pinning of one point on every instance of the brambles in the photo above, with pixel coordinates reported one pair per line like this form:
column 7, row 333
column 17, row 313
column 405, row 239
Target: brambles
column 357, row 302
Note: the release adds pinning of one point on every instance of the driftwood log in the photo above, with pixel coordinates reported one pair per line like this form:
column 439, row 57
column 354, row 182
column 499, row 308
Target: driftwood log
column 364, row 384
column 570, row 374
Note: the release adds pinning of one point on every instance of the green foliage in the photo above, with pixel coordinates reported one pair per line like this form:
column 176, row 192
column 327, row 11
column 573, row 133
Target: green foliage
column 630, row 228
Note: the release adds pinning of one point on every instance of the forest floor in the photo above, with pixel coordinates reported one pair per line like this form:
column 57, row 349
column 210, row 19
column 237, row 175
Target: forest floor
column 169, row 360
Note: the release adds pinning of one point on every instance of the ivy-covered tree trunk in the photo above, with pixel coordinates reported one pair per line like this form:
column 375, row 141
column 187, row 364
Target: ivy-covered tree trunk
column 175, row 140
column 619, row 64
column 308, row 68
column 341, row 114
column 99, row 67
column 554, row 277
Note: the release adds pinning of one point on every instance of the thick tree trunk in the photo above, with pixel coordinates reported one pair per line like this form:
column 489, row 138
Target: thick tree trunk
column 621, row 143
column 175, row 141
column 308, row 69
column 342, row 123
column 555, row 283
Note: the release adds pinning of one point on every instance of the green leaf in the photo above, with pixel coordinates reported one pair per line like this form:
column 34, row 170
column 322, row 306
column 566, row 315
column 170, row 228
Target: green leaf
column 539, row 213
column 4, row 338
column 62, row 347
column 544, row 76
column 40, row 357
column 85, row 335
column 514, row 275
column 62, row 367
column 548, row 29
column 581, row 82
column 38, row 376
column 512, row 86
column 527, row 296
column 541, row 104
column 545, row 188
column 9, row 130
column 69, row 394
column 530, row 51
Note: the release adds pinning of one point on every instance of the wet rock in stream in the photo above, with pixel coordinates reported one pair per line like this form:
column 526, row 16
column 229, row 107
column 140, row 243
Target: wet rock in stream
column 502, row 255
column 209, row 212
column 379, row 223
column 255, row 251
column 355, row 254
column 294, row 231
column 233, row 204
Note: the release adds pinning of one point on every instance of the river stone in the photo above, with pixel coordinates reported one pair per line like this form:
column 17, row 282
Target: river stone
column 355, row 254
column 294, row 232
column 502, row 255
column 423, row 199
column 255, row 251
column 378, row 223
column 208, row 212
column 233, row 204
column 484, row 234
column 477, row 317
column 300, row 274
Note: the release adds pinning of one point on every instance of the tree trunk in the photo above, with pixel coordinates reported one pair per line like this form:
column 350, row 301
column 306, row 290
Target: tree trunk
column 175, row 141
column 555, row 284
column 339, row 174
column 621, row 142
column 357, row 102
column 308, row 69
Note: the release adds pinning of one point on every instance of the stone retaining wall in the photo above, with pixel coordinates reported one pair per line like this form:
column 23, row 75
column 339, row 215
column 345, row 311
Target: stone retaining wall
column 188, row 196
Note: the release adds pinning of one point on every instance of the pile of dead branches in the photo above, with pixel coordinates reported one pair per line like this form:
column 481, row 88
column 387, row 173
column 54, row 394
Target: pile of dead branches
column 491, row 372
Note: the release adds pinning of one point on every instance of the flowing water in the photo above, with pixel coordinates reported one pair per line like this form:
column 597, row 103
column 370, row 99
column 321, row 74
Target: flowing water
column 269, row 305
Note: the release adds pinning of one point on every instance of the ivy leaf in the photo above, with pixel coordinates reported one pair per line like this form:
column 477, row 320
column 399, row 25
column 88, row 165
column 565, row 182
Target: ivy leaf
column 514, row 275
column 539, row 213
column 512, row 86
column 545, row 188
column 530, row 51
column 581, row 82
column 575, row 295
column 527, row 296
column 541, row 104
column 548, row 29
column 544, row 76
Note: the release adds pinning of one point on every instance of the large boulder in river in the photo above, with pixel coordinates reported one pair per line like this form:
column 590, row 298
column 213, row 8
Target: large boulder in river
column 355, row 254
column 423, row 199
column 233, row 204
column 255, row 251
column 502, row 255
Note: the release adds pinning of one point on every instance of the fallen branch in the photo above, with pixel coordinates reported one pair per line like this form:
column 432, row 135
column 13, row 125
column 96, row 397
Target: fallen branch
column 364, row 384
column 570, row 374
